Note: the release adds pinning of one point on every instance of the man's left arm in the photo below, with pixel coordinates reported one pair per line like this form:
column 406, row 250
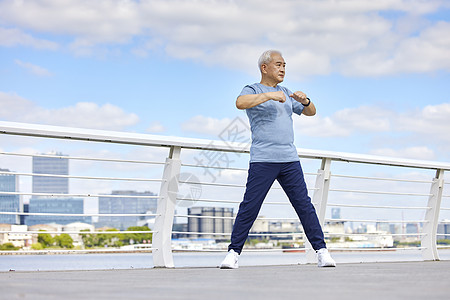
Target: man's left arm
column 308, row 107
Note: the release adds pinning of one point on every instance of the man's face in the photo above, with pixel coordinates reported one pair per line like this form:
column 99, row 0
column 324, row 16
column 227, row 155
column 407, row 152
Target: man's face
column 275, row 70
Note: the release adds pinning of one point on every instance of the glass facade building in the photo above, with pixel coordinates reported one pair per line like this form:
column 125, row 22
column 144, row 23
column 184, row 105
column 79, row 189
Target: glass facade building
column 125, row 205
column 444, row 230
column 51, row 166
column 53, row 185
column 59, row 205
column 9, row 203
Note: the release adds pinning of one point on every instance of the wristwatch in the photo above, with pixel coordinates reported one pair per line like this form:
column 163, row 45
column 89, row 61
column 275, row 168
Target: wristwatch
column 309, row 102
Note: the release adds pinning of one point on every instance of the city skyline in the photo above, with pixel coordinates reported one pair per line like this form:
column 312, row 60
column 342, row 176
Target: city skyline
column 141, row 205
column 275, row 192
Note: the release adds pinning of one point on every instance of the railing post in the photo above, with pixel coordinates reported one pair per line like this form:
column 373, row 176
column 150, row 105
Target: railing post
column 429, row 250
column 319, row 201
column 162, row 239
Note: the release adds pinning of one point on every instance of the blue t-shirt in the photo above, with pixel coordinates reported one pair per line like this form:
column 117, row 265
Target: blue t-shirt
column 271, row 125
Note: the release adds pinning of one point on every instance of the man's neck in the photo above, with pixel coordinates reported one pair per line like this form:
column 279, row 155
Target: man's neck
column 270, row 83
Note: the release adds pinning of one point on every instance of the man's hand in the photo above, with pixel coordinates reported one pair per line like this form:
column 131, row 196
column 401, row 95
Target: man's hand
column 277, row 96
column 300, row 97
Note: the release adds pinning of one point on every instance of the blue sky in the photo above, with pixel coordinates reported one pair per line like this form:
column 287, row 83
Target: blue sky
column 377, row 71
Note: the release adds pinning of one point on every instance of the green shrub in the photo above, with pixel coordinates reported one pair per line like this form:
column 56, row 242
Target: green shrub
column 8, row 247
column 64, row 241
column 45, row 239
column 37, row 246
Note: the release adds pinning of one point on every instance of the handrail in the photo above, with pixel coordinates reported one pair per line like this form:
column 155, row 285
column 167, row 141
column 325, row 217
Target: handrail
column 77, row 232
column 94, row 135
column 129, row 138
column 167, row 197
column 378, row 192
column 86, row 158
column 79, row 195
column 78, row 215
column 380, row 178
column 80, row 177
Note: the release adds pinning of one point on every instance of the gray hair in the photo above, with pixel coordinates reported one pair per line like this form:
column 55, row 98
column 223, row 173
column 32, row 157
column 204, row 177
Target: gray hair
column 266, row 57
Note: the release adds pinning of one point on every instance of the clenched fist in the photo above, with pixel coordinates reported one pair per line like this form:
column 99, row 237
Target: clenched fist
column 300, row 97
column 278, row 96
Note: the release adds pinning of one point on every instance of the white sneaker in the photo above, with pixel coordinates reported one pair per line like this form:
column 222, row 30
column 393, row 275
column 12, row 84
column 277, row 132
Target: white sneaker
column 324, row 258
column 230, row 261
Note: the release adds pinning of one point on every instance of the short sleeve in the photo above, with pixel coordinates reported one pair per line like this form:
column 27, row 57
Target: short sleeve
column 247, row 90
column 297, row 107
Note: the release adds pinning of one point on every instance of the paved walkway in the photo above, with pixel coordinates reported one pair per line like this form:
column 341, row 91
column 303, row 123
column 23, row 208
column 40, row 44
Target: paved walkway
column 405, row 280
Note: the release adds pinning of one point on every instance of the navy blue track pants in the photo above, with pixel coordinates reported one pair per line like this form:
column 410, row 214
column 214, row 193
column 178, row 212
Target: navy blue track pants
column 261, row 176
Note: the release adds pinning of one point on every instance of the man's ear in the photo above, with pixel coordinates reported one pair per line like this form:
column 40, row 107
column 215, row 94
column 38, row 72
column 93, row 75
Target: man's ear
column 264, row 68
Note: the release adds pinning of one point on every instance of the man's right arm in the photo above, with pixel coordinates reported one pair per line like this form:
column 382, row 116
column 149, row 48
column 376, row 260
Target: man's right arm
column 252, row 100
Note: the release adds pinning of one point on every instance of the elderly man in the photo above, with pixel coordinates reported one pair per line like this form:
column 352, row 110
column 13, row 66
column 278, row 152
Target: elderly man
column 273, row 155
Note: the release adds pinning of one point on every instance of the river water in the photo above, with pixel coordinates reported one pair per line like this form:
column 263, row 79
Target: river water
column 144, row 260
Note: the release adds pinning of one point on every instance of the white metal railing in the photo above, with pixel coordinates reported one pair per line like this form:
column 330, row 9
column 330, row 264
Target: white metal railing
column 169, row 184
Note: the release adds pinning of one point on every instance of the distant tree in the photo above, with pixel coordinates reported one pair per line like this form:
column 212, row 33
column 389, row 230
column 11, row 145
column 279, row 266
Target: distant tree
column 102, row 239
column 37, row 246
column 335, row 239
column 253, row 242
column 406, row 244
column 137, row 237
column 45, row 239
column 87, row 238
column 64, row 241
column 443, row 242
column 110, row 239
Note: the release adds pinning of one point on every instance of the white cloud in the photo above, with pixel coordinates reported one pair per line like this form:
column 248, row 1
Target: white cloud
column 432, row 122
column 212, row 126
column 364, row 118
column 96, row 21
column 420, row 152
column 156, row 127
column 351, row 37
column 82, row 114
column 33, row 69
column 345, row 122
column 427, row 52
column 10, row 37
column 88, row 114
column 319, row 126
column 14, row 106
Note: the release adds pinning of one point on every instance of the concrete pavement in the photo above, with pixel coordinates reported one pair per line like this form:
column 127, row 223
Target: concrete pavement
column 403, row 280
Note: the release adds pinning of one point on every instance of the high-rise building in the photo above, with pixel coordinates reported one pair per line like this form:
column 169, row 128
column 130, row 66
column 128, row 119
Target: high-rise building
column 336, row 213
column 413, row 227
column 443, row 230
column 66, row 205
column 53, row 185
column 383, row 226
column 125, row 204
column 9, row 203
column 51, row 166
column 395, row 228
column 207, row 225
